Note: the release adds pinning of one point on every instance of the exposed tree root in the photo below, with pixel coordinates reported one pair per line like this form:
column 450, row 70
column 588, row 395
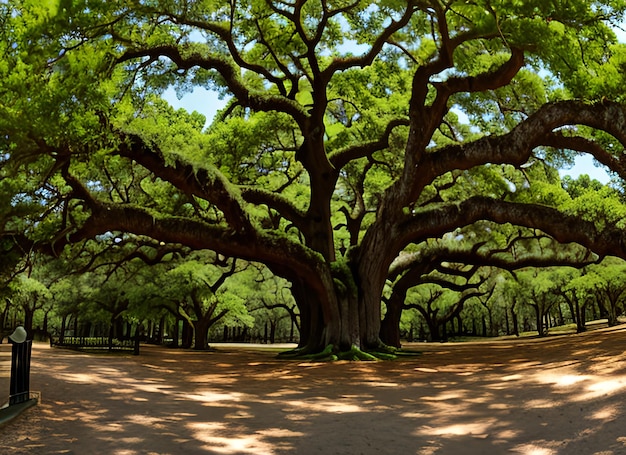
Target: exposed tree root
column 304, row 354
column 331, row 353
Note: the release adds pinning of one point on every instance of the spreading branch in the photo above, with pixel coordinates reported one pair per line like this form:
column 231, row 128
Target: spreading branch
column 562, row 227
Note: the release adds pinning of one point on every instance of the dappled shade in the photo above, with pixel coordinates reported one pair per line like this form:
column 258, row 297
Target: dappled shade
column 556, row 396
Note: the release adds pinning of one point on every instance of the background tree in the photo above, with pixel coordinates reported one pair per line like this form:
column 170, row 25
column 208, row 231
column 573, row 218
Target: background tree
column 543, row 297
column 200, row 295
column 270, row 301
column 610, row 287
column 30, row 296
column 439, row 306
column 67, row 296
column 577, row 289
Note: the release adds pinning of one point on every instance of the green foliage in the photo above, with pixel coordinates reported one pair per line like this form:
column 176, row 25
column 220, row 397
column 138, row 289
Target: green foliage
column 602, row 206
column 26, row 289
column 189, row 285
column 353, row 132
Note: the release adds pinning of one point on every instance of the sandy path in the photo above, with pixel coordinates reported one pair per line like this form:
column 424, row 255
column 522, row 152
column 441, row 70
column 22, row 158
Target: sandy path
column 563, row 395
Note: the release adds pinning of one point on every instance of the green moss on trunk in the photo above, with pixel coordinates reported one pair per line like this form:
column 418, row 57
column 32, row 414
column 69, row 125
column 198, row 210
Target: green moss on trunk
column 331, row 353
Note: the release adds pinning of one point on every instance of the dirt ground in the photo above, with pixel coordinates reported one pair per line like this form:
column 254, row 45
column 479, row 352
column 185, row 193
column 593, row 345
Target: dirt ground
column 562, row 395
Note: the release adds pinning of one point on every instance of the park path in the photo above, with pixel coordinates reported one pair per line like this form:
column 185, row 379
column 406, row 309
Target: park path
column 562, row 395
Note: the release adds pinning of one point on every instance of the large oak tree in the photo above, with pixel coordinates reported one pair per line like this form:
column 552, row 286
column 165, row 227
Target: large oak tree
column 354, row 130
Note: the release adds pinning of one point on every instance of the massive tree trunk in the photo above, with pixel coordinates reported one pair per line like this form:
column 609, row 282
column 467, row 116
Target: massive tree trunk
column 332, row 322
column 372, row 269
column 339, row 310
column 62, row 330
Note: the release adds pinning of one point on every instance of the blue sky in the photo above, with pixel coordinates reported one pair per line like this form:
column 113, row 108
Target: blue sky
column 585, row 165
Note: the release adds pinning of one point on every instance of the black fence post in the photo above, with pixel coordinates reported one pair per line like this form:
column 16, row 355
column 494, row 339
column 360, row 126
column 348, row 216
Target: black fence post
column 20, row 372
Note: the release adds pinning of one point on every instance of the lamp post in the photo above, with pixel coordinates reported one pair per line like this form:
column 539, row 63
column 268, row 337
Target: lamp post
column 20, row 367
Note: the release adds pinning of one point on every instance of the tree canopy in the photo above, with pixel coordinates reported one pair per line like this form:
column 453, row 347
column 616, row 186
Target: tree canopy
column 357, row 134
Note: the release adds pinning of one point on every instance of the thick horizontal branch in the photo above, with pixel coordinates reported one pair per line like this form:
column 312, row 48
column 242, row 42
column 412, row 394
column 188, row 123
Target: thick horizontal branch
column 204, row 182
column 516, row 146
column 563, row 228
column 428, row 258
column 209, row 184
column 277, row 251
column 580, row 144
column 274, row 201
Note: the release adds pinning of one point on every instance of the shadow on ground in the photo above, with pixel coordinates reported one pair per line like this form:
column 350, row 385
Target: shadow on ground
column 561, row 395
